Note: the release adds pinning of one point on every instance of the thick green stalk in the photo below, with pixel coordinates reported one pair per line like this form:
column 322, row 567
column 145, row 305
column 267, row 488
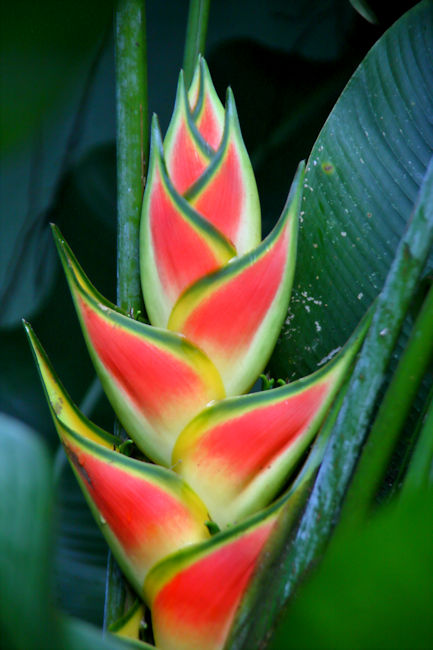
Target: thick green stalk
column 391, row 417
column 195, row 40
column 351, row 426
column 132, row 146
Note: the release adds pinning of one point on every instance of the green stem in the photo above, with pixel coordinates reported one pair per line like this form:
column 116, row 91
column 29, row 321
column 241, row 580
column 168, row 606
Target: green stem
column 391, row 417
column 195, row 40
column 351, row 426
column 132, row 146
column 419, row 473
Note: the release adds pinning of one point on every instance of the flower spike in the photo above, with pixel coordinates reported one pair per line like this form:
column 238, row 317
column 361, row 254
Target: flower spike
column 248, row 445
column 235, row 314
column 155, row 380
column 144, row 511
column 226, row 193
column 178, row 246
column 187, row 154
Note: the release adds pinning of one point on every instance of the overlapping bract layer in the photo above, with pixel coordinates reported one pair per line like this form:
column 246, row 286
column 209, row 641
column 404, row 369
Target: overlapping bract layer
column 216, row 298
column 205, row 273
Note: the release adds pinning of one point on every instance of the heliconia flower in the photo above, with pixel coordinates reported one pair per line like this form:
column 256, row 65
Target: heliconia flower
column 216, row 297
column 155, row 380
column 144, row 511
column 248, row 445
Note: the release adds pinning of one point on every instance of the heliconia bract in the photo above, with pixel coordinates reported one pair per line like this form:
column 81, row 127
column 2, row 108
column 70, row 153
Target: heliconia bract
column 216, row 297
column 194, row 595
column 248, row 445
column 155, row 380
column 235, row 314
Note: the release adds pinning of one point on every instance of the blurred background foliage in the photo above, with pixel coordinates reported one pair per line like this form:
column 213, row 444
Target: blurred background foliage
column 287, row 63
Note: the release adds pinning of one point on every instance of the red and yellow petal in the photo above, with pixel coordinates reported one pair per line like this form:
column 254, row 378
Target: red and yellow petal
column 248, row 445
column 186, row 152
column 155, row 380
column 177, row 246
column 226, row 193
column 194, row 594
column 235, row 315
column 206, row 108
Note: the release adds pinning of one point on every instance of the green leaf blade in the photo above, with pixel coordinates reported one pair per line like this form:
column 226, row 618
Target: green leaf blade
column 362, row 179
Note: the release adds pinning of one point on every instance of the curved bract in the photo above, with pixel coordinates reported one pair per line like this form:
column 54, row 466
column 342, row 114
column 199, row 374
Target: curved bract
column 194, row 595
column 155, row 380
column 235, row 314
column 206, row 108
column 248, row 445
column 187, row 154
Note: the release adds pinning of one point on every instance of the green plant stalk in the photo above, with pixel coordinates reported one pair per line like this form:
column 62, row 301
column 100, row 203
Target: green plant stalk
column 419, row 474
column 350, row 429
column 195, row 39
column 132, row 141
column 391, row 417
column 132, row 146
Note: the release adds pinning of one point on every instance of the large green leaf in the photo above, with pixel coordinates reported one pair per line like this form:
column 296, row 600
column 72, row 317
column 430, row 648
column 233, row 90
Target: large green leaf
column 373, row 589
column 363, row 176
column 33, row 181
column 28, row 620
column 25, row 540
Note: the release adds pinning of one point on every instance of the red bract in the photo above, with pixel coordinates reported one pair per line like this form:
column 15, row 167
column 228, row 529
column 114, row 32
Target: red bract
column 216, row 298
